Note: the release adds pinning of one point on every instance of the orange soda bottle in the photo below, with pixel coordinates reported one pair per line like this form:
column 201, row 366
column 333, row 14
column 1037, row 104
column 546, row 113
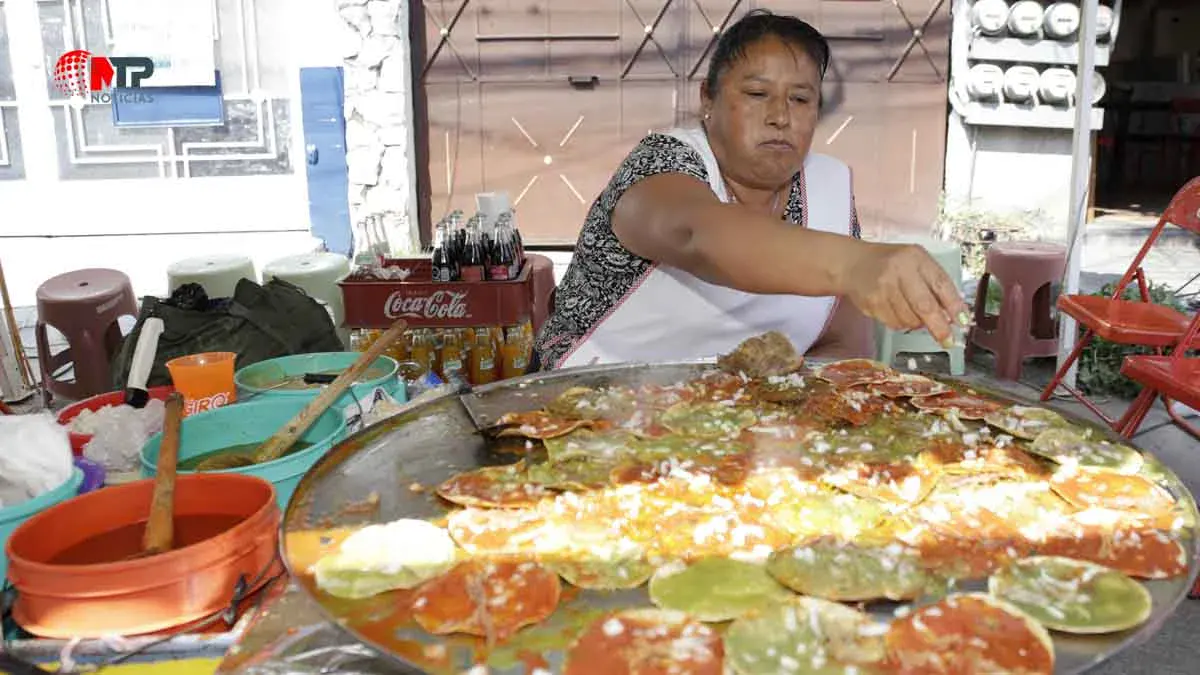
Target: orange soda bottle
column 483, row 358
column 422, row 350
column 450, row 358
column 513, row 353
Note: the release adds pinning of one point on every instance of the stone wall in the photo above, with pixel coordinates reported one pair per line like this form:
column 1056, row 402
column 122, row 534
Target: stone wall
column 378, row 112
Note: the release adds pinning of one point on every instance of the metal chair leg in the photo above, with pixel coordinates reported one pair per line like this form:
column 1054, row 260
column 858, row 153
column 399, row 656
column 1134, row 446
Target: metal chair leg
column 1179, row 421
column 1066, row 366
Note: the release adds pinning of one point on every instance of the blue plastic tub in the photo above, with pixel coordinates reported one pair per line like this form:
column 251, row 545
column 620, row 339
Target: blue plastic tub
column 253, row 422
column 256, row 380
column 12, row 516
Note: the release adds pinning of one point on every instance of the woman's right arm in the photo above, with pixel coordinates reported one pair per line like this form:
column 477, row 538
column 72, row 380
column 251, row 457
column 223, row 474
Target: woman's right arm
column 675, row 219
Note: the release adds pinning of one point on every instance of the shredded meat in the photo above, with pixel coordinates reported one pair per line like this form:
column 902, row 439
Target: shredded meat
column 767, row 355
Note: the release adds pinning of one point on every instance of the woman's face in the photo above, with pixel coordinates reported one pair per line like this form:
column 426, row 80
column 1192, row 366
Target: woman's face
column 761, row 119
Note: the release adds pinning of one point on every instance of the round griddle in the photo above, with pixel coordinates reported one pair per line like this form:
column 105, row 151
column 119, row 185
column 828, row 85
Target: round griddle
column 432, row 440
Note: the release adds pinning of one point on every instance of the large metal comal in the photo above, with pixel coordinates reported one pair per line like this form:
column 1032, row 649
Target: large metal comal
column 431, row 440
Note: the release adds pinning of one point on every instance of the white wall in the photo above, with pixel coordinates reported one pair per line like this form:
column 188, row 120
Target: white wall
column 1010, row 170
column 373, row 39
column 315, row 29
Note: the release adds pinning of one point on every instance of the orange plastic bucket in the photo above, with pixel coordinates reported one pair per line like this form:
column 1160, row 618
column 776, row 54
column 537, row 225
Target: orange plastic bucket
column 71, row 568
column 205, row 380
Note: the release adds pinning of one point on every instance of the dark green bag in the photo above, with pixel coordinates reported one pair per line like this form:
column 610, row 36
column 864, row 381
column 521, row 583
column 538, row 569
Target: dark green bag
column 257, row 323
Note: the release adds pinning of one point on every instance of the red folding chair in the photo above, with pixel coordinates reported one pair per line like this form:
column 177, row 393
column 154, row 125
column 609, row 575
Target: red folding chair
column 1126, row 322
column 1171, row 378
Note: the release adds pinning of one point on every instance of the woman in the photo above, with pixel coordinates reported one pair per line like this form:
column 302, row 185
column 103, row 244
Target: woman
column 707, row 236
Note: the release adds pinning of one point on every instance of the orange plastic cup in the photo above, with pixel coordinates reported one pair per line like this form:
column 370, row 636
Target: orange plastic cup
column 205, row 380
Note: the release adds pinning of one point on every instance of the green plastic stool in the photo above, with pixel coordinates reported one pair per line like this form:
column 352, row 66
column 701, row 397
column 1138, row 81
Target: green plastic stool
column 890, row 343
column 218, row 274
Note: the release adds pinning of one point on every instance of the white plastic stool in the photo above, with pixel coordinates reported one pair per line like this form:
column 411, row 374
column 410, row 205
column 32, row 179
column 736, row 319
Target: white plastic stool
column 317, row 274
column 218, row 274
column 889, row 343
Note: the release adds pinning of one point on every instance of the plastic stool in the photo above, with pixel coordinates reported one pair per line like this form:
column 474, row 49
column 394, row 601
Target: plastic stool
column 1025, row 327
column 317, row 274
column 890, row 343
column 218, row 274
column 84, row 306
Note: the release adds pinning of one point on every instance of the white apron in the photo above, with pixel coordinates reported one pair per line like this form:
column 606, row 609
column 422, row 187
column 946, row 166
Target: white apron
column 671, row 315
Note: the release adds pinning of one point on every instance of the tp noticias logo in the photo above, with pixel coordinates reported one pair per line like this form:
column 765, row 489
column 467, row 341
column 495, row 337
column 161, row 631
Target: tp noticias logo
column 81, row 74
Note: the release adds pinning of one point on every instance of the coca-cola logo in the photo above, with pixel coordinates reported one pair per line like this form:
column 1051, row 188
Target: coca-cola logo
column 436, row 305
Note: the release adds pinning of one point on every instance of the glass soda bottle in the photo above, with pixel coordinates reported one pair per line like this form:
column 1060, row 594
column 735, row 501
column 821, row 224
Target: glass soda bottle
column 450, row 358
column 487, row 239
column 399, row 349
column 471, row 265
column 483, row 358
column 510, row 220
column 357, row 338
column 503, row 264
column 442, row 260
column 513, row 354
column 422, row 350
column 454, row 237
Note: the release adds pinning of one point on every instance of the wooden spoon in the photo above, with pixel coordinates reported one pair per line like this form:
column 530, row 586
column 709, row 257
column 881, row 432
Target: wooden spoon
column 160, row 526
column 275, row 446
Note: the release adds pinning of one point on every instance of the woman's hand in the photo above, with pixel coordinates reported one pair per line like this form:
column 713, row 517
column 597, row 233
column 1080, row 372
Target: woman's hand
column 903, row 287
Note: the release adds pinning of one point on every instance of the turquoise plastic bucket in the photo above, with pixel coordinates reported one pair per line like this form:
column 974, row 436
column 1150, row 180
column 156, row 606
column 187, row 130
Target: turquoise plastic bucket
column 253, row 422
column 12, row 516
column 256, row 379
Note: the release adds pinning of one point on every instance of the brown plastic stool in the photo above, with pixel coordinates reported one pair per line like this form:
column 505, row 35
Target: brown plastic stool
column 84, row 306
column 1025, row 327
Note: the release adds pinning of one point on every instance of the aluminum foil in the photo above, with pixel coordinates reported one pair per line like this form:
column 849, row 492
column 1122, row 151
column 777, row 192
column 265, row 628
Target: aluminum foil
column 292, row 637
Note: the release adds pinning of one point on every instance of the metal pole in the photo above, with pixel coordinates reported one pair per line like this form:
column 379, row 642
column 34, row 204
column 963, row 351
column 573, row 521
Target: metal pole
column 1081, row 164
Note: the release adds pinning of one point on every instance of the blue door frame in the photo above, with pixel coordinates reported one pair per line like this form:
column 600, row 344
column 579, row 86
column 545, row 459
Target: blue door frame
column 324, row 125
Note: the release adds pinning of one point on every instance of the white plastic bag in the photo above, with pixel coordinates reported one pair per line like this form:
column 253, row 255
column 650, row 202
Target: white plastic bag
column 119, row 432
column 35, row 457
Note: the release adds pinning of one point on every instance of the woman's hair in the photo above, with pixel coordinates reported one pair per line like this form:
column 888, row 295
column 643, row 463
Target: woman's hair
column 757, row 25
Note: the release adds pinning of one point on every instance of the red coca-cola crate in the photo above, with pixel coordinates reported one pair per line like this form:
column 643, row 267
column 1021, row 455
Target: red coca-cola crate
column 377, row 303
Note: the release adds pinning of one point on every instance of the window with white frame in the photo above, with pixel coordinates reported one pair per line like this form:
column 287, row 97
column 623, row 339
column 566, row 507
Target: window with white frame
column 256, row 83
column 10, row 136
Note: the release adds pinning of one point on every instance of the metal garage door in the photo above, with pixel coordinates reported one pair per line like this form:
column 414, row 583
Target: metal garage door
column 542, row 98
